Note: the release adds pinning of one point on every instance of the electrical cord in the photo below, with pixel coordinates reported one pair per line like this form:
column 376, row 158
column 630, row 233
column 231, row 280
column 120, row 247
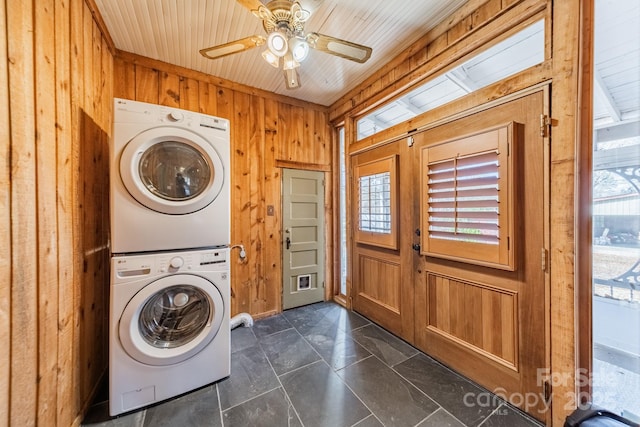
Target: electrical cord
column 243, row 253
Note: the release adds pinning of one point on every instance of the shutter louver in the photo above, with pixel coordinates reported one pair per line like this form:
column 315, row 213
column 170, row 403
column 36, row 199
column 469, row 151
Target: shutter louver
column 463, row 198
column 468, row 198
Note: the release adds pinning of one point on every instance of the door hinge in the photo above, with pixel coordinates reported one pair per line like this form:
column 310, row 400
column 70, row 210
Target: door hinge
column 547, row 391
column 545, row 124
column 323, row 284
column 543, row 259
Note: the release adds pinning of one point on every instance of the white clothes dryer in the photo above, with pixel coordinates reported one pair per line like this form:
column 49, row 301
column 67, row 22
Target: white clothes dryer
column 169, row 179
column 169, row 325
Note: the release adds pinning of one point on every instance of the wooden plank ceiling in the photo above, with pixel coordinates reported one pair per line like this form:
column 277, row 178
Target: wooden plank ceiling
column 174, row 31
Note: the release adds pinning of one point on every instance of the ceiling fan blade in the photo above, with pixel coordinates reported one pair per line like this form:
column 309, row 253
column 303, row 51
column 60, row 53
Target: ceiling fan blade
column 250, row 4
column 241, row 45
column 342, row 48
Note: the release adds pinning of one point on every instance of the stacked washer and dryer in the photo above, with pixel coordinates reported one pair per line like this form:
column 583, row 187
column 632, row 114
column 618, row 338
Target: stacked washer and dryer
column 170, row 274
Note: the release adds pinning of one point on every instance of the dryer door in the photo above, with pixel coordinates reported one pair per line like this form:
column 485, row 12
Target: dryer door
column 171, row 319
column 171, row 170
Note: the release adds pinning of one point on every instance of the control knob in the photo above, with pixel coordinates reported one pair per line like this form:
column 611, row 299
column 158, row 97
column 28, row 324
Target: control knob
column 176, row 262
column 176, row 116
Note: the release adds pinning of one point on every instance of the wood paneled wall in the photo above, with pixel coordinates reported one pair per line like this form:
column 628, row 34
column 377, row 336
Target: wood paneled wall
column 267, row 132
column 56, row 73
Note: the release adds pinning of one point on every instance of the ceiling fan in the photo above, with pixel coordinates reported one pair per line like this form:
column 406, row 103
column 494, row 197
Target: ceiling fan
column 287, row 43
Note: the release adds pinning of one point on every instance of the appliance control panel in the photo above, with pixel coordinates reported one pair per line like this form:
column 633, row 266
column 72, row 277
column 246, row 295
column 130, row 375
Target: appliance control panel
column 173, row 262
column 141, row 112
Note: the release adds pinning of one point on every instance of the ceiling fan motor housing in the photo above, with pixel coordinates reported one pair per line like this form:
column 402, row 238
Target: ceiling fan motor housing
column 283, row 15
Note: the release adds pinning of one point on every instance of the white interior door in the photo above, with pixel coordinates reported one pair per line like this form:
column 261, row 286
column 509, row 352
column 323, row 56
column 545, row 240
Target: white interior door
column 303, row 237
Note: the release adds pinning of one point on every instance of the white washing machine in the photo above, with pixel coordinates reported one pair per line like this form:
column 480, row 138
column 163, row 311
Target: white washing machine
column 169, row 325
column 170, row 176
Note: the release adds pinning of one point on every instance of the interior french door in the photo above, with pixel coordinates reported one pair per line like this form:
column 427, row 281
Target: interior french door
column 382, row 258
column 490, row 323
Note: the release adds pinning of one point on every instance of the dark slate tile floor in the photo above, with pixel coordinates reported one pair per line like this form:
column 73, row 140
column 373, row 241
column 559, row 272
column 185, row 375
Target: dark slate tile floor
column 321, row 365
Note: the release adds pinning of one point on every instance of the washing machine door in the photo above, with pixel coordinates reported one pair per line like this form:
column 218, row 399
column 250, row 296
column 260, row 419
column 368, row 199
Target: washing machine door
column 171, row 170
column 171, row 319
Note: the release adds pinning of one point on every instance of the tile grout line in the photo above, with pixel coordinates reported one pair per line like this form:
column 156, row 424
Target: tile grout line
column 286, row 395
column 219, row 404
column 340, row 378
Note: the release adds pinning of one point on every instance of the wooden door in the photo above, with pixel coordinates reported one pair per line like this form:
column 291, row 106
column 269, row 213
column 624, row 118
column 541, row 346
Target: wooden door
column 488, row 319
column 382, row 259
column 303, row 244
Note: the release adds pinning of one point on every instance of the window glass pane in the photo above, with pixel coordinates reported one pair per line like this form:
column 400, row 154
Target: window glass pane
column 463, row 199
column 517, row 53
column 343, row 216
column 616, row 208
column 375, row 203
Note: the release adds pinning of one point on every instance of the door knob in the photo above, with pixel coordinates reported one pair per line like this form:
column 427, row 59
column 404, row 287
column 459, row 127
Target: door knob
column 416, row 247
column 288, row 242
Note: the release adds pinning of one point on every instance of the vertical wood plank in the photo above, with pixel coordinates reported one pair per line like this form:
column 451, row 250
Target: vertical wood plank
column 272, row 196
column 284, row 126
column 146, row 85
column 104, row 173
column 169, row 89
column 457, row 313
column 321, row 144
column 297, row 135
column 256, row 199
column 77, row 99
column 491, row 329
column 328, row 232
column 124, row 85
column 508, row 331
column 207, row 99
column 87, row 51
column 568, row 27
column 65, row 356
column 189, row 91
column 473, row 317
column 241, row 202
column 88, row 220
column 442, row 302
column 24, row 298
column 308, row 147
column 433, row 315
column 5, row 223
column 46, row 163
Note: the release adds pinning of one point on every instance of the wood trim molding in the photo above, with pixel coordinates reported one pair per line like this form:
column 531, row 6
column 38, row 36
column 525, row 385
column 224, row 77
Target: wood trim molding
column 97, row 17
column 405, row 75
column 304, row 166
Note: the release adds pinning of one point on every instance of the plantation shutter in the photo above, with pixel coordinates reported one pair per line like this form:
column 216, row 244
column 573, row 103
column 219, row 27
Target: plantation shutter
column 467, row 199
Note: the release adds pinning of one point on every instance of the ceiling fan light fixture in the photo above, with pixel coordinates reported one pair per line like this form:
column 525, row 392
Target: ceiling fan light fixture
column 277, row 43
column 299, row 49
column 272, row 59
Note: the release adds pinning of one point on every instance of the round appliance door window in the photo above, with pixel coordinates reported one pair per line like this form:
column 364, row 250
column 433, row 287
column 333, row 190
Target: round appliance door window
column 171, row 319
column 174, row 171
column 171, row 170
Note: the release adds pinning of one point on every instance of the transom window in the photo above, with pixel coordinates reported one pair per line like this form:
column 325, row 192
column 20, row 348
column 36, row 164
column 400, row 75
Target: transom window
column 517, row 53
